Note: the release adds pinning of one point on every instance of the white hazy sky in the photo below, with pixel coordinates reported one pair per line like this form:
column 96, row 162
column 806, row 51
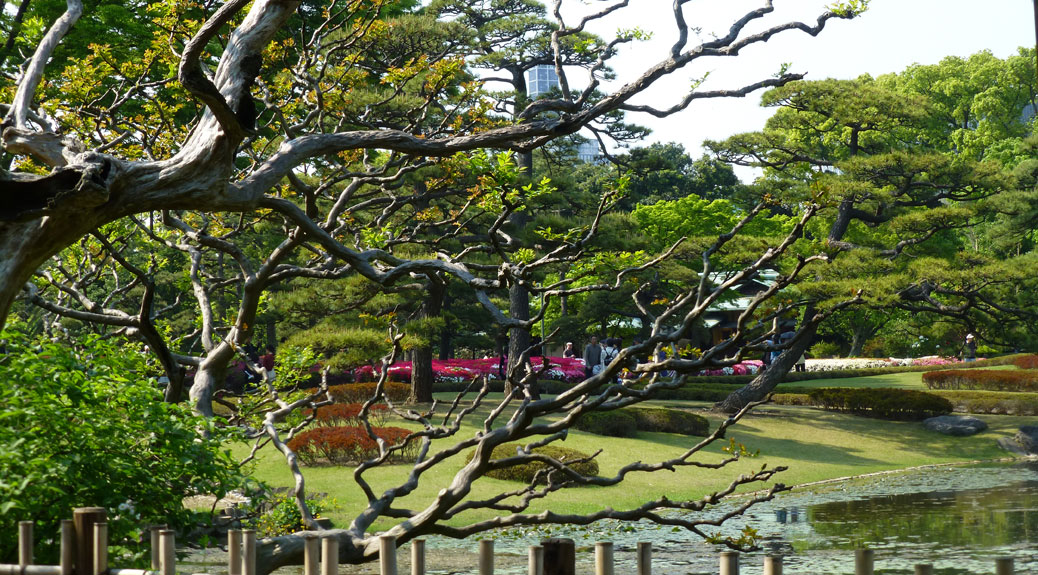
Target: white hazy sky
column 890, row 36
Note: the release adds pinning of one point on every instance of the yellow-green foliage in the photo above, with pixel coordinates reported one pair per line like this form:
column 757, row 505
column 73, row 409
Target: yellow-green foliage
column 666, row 420
column 527, row 471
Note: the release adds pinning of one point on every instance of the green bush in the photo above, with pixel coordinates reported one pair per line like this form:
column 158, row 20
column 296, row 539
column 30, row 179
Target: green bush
column 881, row 403
column 986, row 379
column 282, row 516
column 526, row 472
column 86, row 425
column 661, row 419
column 792, row 399
column 990, row 402
column 616, row 423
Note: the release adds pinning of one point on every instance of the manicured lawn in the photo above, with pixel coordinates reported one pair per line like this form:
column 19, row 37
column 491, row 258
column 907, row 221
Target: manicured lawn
column 814, row 444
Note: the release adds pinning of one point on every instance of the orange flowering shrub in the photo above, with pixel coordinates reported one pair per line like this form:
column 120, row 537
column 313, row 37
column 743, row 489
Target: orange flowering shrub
column 348, row 414
column 1029, row 361
column 985, row 379
column 361, row 392
column 349, row 445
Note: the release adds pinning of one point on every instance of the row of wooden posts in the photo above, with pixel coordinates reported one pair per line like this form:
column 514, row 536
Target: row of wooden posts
column 84, row 551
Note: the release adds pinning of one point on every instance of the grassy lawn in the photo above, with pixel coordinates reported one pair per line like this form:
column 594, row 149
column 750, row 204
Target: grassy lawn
column 814, row 444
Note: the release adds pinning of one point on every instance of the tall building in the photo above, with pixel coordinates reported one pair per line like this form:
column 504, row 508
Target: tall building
column 542, row 79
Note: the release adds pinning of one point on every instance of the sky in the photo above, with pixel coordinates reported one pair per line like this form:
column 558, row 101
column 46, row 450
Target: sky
column 890, row 36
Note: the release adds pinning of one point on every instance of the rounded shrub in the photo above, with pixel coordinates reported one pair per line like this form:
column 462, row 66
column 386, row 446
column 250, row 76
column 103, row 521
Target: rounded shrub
column 666, row 420
column 361, row 392
column 615, row 423
column 349, row 445
column 527, row 471
column 348, row 414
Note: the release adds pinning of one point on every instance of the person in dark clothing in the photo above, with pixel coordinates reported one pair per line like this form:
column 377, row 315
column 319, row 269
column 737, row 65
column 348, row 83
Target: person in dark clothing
column 569, row 351
column 969, row 349
column 592, row 357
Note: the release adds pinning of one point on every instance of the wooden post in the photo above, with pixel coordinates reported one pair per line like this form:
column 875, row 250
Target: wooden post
column 1004, row 566
column 24, row 543
column 604, row 558
column 68, row 542
column 486, row 557
column 85, row 518
column 311, row 555
column 167, row 552
column 536, row 560
column 644, row 558
column 924, row 569
column 729, row 563
column 773, row 565
column 156, row 557
column 560, row 556
column 863, row 561
column 329, row 556
column 387, row 554
column 234, row 552
column 248, row 552
column 418, row 557
column 100, row 548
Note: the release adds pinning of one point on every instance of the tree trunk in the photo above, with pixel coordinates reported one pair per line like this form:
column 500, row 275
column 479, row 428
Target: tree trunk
column 857, row 343
column 518, row 339
column 766, row 381
column 446, row 335
column 421, row 361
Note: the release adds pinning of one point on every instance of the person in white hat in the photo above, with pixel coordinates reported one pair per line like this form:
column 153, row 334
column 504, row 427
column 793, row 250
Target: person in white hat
column 969, row 350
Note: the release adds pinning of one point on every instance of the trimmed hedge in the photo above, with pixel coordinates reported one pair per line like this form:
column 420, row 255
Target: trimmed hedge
column 348, row 415
column 882, row 403
column 616, row 423
column 985, row 379
column 349, row 445
column 992, row 402
column 661, row 419
column 1029, row 361
column 627, row 422
column 527, row 471
column 361, row 392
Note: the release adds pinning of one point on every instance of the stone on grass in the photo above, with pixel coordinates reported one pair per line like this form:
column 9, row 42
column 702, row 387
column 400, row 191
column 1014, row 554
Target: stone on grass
column 1027, row 437
column 957, row 425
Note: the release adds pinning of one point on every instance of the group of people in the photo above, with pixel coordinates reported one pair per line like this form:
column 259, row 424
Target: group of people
column 597, row 354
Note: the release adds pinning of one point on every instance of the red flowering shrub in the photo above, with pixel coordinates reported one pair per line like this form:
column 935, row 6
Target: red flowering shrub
column 986, row 379
column 348, row 414
column 361, row 392
column 349, row 445
column 1029, row 361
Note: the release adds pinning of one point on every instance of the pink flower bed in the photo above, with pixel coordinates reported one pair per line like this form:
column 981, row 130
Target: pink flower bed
column 461, row 370
column 748, row 367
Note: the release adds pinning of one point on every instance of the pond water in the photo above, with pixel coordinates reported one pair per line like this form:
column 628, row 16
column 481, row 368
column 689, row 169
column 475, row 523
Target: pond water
column 959, row 518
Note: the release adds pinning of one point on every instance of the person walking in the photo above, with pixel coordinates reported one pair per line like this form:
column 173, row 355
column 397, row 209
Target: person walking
column 592, row 357
column 969, row 349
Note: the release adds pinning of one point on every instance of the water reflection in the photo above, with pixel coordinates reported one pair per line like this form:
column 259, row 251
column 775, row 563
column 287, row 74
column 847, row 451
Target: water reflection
column 957, row 518
column 991, row 517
